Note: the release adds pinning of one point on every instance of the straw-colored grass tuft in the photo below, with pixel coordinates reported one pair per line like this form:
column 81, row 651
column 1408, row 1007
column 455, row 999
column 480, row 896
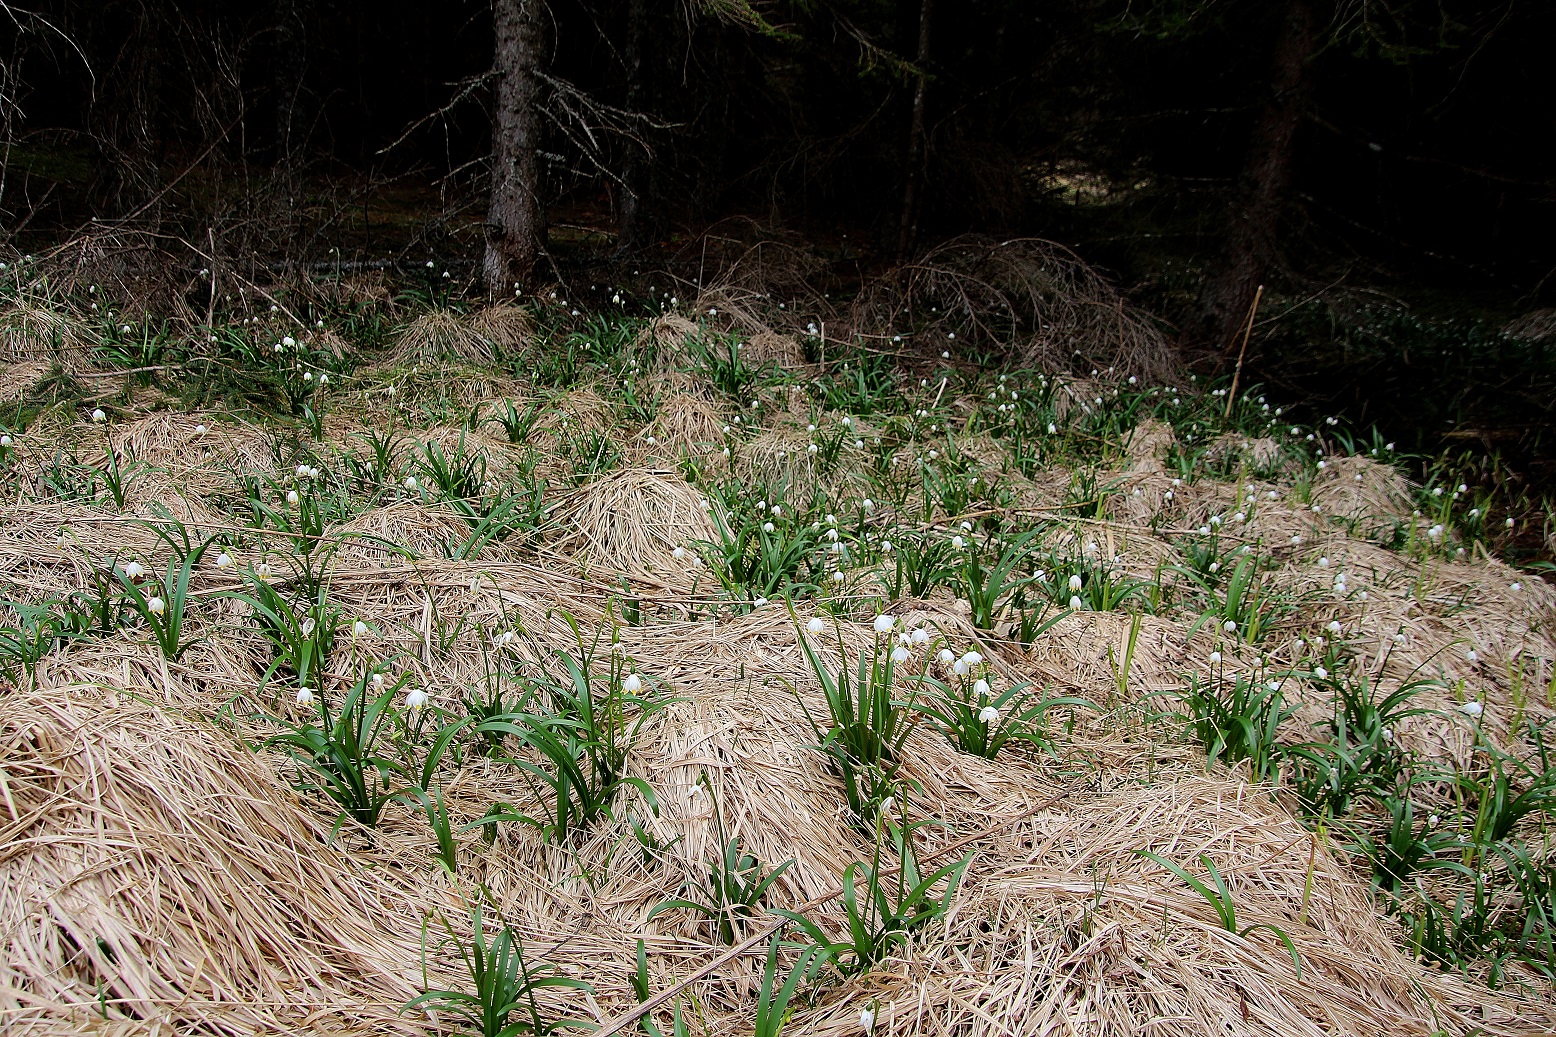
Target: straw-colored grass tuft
column 666, row 340
column 32, row 331
column 631, row 522
column 478, row 337
column 155, row 871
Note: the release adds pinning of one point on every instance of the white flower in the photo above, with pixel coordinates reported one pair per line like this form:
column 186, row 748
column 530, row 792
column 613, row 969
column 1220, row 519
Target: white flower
column 99, row 415
column 632, row 684
column 291, row 496
column 867, row 1015
column 1052, row 428
column 1230, row 626
column 358, row 628
column 1515, row 586
column 919, row 636
column 1075, row 583
column 899, row 654
column 1472, row 656
column 1400, row 638
column 1334, row 626
column 5, row 441
column 1472, row 709
column 973, row 659
column 1320, row 672
column 1075, row 601
column 378, row 681
column 1215, row 657
column 768, row 527
column 867, row 504
column 324, row 379
column 1323, row 563
column 415, row 699
column 981, row 687
column 304, row 696
column 758, row 603
column 155, row 606
column 134, row 571
column 837, row 577
column 946, row 657
column 988, row 714
column 1388, row 735
column 410, row 482
column 815, row 625
column 224, row 561
column 957, row 542
column 886, row 546
column 883, row 624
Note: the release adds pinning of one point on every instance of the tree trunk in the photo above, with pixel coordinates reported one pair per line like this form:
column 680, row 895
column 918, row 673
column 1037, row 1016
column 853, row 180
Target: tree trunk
column 907, row 231
column 515, row 218
column 1253, row 239
column 631, row 225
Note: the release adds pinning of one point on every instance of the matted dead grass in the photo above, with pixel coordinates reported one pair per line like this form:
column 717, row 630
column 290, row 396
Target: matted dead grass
column 478, row 337
column 157, row 872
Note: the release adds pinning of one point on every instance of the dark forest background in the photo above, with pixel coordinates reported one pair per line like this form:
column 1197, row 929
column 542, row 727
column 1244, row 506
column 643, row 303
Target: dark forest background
column 1385, row 169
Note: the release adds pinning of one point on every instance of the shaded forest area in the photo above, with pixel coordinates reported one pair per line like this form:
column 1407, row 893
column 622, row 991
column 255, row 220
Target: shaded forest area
column 1386, row 168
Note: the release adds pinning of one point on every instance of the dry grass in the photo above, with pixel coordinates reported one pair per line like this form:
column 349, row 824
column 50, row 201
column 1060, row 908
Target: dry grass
column 441, row 334
column 158, row 872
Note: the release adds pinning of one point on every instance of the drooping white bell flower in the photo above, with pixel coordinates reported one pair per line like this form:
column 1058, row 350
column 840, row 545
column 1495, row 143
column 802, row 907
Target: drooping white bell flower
column 1472, row 709
column 883, row 624
column 415, row 699
column 815, row 625
column 981, row 687
column 899, row 654
column 156, row 606
column 632, row 684
column 134, row 571
column 99, row 415
column 988, row 715
column 304, row 696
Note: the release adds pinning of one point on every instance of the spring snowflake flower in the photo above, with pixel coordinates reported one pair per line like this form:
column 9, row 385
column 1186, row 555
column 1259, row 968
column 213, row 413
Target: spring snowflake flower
column 988, row 715
column 1215, row 657
column 883, row 624
column 919, row 636
column 224, row 561
column 972, row 659
column 291, row 496
column 304, row 696
column 1320, row 672
column 867, row 504
column 960, row 668
column 899, row 654
column 957, row 542
column 981, row 687
column 758, row 603
column 415, row 699
column 837, row 577
column 1334, row 626
column 99, row 415
column 1075, row 582
column 1472, row 709
column 1230, row 626
column 410, row 482
column 815, row 625
column 1515, row 586
column 1472, row 655
column 156, row 606
column 1388, row 735
column 632, row 684
column 768, row 527
column 358, row 628
column 1075, row 601
column 1052, row 428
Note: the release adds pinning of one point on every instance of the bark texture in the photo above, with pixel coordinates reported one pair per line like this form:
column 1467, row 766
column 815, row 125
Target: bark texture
column 907, row 232
column 515, row 220
column 1253, row 241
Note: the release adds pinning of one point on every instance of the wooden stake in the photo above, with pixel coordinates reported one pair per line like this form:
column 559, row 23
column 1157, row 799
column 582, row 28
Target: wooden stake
column 1238, row 374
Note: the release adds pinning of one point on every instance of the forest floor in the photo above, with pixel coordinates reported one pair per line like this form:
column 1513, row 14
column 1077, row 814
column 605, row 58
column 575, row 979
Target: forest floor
column 660, row 674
